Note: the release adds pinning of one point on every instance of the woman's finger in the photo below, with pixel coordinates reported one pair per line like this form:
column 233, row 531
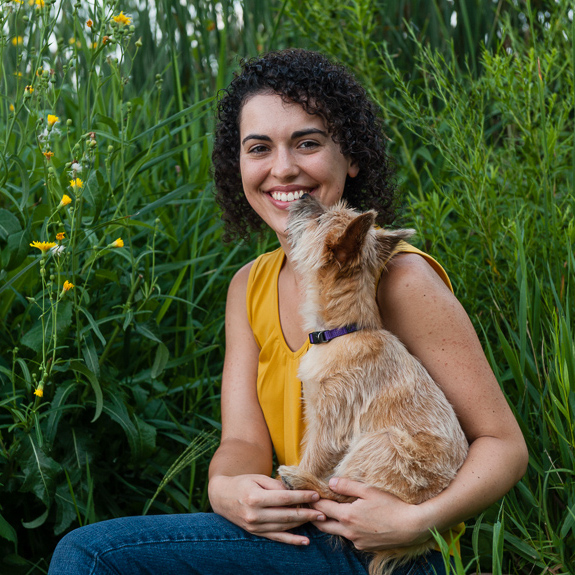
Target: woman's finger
column 286, row 537
column 332, row 527
column 284, row 515
column 280, row 498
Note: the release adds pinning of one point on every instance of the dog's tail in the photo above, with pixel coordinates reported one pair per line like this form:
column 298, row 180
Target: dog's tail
column 385, row 562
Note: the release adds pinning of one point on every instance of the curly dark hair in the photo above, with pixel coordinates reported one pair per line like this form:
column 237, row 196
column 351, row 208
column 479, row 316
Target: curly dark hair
column 321, row 87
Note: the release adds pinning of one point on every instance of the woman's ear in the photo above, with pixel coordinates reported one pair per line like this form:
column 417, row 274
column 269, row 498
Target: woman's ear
column 353, row 169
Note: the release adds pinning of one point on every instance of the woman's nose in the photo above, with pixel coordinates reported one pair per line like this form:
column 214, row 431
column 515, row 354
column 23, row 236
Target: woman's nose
column 284, row 165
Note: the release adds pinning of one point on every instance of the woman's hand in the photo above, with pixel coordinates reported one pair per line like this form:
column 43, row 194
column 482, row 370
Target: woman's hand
column 375, row 521
column 263, row 506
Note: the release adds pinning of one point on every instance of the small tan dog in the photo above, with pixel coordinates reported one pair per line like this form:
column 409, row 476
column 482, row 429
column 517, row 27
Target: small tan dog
column 373, row 414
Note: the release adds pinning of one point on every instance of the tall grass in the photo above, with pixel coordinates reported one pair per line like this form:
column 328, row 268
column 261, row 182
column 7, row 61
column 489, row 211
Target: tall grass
column 484, row 141
column 108, row 386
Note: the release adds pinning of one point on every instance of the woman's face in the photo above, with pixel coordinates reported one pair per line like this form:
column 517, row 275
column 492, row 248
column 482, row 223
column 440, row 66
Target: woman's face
column 284, row 153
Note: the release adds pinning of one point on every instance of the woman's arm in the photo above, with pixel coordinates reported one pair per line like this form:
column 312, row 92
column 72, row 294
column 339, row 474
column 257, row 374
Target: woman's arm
column 240, row 486
column 416, row 306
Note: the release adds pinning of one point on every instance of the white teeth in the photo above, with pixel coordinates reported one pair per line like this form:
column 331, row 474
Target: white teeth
column 289, row 197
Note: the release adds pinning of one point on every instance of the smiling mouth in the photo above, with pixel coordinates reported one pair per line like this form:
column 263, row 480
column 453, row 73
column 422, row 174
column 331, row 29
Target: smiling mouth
column 289, row 196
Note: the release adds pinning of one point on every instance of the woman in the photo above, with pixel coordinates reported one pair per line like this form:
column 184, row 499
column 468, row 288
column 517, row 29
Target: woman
column 291, row 123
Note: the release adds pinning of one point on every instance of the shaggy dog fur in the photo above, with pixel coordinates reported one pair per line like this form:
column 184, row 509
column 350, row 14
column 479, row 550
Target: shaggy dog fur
column 373, row 414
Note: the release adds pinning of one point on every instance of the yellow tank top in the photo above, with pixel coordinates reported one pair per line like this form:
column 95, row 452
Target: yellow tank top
column 278, row 386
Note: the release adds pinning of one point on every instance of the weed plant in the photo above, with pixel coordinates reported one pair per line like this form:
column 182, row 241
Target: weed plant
column 113, row 277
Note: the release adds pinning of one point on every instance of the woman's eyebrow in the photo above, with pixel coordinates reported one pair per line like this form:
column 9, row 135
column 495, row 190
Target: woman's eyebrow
column 307, row 132
column 256, row 137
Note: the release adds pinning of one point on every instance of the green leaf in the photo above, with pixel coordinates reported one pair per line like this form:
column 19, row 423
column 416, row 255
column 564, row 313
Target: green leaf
column 162, row 357
column 91, row 355
column 18, row 247
column 144, row 329
column 93, row 324
column 57, row 408
column 38, row 522
column 7, row 531
column 97, row 189
column 569, row 522
column 9, row 224
column 65, row 509
column 101, row 119
column 117, row 410
column 34, row 337
column 40, row 472
column 25, row 187
column 12, row 280
column 167, row 198
column 128, row 319
column 146, row 437
column 81, row 368
column 173, row 118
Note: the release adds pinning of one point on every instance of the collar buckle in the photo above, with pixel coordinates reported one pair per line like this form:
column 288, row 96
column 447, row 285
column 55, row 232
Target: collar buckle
column 317, row 337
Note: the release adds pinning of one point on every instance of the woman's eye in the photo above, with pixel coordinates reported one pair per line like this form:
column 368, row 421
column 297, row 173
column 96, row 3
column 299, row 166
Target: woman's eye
column 308, row 145
column 259, row 149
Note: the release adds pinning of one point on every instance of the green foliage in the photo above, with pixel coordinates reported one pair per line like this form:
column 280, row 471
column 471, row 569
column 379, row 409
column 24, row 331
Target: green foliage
column 485, row 146
column 104, row 385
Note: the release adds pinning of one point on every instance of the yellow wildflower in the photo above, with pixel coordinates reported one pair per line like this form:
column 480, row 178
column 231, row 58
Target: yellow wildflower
column 94, row 45
column 18, row 74
column 39, row 392
column 89, row 23
column 122, row 19
column 119, row 243
column 77, row 183
column 39, row 4
column 52, row 119
column 65, row 201
column 60, row 236
column 17, row 41
column 48, row 154
column 44, row 247
column 68, row 286
column 11, row 107
column 29, row 89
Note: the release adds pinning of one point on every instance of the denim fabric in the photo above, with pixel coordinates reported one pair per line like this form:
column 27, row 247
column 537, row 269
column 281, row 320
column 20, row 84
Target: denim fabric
column 208, row 544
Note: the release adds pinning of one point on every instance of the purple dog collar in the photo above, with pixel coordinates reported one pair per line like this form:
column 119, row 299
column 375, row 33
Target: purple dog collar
column 329, row 334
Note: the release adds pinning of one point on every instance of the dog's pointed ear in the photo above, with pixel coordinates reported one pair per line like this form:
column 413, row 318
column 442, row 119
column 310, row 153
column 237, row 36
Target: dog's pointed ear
column 387, row 241
column 351, row 241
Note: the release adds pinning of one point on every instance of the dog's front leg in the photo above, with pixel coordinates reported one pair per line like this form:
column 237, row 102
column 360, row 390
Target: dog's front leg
column 328, row 434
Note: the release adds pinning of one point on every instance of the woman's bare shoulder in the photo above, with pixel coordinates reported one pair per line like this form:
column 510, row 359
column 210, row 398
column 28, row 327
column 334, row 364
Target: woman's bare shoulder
column 409, row 280
column 241, row 277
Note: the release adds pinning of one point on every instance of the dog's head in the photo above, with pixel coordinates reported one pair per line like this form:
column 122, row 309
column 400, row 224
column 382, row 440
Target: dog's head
column 338, row 236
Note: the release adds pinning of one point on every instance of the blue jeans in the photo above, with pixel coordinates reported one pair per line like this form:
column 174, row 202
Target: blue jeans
column 208, row 544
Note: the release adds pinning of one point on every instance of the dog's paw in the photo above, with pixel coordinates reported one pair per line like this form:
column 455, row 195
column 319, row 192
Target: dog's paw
column 287, row 476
